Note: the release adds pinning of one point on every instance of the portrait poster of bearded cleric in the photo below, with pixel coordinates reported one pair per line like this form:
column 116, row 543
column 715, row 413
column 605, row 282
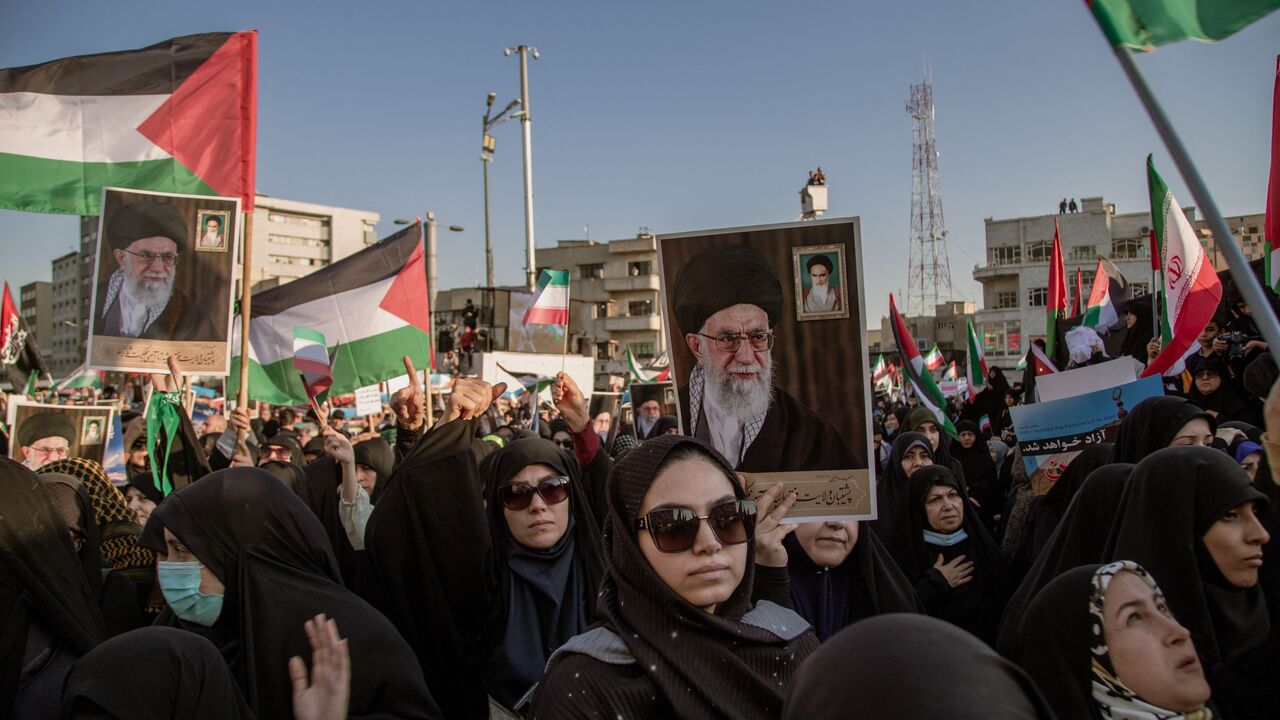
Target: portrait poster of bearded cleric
column 781, row 395
column 155, row 292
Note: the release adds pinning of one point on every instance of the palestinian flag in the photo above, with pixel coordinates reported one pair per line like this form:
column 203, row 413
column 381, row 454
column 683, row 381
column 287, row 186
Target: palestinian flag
column 1144, row 24
column 179, row 116
column 81, row 377
column 1109, row 291
column 1271, row 228
column 975, row 370
column 550, row 304
column 951, row 374
column 372, row 308
column 22, row 360
column 633, row 367
column 531, row 383
column 1057, row 301
column 1077, row 301
column 1191, row 287
column 1044, row 366
column 914, row 367
column 311, row 360
column 934, row 359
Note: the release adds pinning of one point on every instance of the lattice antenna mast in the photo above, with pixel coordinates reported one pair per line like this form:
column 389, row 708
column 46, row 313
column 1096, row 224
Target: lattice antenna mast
column 929, row 265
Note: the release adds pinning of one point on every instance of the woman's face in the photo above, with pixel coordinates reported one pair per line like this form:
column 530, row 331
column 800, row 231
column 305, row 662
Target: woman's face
column 967, row 439
column 1195, row 432
column 139, row 504
column 916, row 458
column 540, row 525
column 1130, row 320
column 1151, row 653
column 827, row 543
column 891, row 422
column 1250, row 465
column 367, row 478
column 1208, row 382
column 563, row 439
column 944, row 508
column 1235, row 543
column 706, row 574
column 930, row 430
column 178, row 552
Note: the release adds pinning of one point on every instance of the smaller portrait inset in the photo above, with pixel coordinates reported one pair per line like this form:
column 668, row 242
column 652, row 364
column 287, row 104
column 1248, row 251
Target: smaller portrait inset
column 821, row 290
column 212, row 227
column 91, row 432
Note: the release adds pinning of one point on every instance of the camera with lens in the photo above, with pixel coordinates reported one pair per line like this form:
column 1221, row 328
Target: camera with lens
column 1236, row 341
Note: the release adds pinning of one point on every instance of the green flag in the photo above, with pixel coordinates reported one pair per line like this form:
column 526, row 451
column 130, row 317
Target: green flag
column 1144, row 24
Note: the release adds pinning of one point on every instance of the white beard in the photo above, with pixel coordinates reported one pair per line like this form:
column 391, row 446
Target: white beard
column 138, row 298
column 741, row 398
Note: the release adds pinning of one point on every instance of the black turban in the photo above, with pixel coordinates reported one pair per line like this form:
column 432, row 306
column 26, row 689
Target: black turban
column 146, row 219
column 723, row 277
column 822, row 260
column 46, row 424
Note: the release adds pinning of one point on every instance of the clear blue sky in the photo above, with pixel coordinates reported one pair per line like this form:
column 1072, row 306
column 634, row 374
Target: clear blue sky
column 688, row 115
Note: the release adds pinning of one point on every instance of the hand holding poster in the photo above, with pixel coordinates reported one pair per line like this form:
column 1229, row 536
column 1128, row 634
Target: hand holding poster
column 766, row 338
column 1051, row 434
column 38, row 431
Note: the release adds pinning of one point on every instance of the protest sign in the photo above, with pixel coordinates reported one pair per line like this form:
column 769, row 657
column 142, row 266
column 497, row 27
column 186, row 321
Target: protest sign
column 1050, row 434
column 368, row 400
column 162, row 282
column 113, row 458
column 1081, row 380
column 790, row 366
column 92, row 425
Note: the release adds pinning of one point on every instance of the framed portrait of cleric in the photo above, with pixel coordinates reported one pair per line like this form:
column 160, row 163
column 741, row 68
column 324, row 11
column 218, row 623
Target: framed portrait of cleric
column 819, row 272
column 156, row 291
column 85, row 428
column 212, row 224
column 780, row 398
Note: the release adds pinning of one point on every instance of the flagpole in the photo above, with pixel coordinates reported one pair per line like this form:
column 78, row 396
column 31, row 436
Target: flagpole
column 568, row 314
column 246, row 300
column 1155, row 281
column 1238, row 265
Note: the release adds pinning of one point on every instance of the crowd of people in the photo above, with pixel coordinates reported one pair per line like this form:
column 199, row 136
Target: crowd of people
column 494, row 564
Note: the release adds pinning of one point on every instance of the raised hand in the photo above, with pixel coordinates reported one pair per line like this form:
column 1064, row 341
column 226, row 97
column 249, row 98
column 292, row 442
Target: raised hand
column 771, row 509
column 471, row 397
column 329, row 692
column 570, row 401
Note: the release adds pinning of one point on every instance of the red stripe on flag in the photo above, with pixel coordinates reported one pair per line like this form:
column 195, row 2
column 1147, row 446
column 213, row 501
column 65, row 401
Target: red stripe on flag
column 547, row 316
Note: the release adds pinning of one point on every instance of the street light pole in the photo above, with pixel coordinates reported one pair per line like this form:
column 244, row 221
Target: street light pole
column 525, row 123
column 486, row 154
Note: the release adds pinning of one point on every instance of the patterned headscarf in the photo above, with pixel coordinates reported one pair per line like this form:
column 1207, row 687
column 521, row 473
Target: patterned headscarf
column 1114, row 698
column 117, row 524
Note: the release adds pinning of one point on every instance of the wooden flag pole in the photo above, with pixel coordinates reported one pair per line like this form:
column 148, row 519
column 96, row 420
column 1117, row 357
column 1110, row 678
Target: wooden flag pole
column 568, row 315
column 246, row 301
column 321, row 417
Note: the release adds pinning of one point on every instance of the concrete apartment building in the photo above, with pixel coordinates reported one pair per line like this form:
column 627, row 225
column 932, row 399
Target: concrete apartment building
column 291, row 238
column 946, row 327
column 36, row 303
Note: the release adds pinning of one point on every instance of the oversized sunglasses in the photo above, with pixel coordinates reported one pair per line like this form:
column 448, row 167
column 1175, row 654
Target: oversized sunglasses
column 517, row 496
column 675, row 529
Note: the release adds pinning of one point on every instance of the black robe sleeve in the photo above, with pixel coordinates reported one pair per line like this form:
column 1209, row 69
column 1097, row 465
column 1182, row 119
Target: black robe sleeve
column 772, row 584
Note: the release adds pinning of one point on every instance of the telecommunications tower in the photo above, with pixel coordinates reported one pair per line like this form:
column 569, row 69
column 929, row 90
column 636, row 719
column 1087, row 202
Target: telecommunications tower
column 929, row 266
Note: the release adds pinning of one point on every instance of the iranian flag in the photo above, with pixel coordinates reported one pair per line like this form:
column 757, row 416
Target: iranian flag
column 1144, row 24
column 879, row 370
column 633, row 366
column 311, row 360
column 1057, row 300
column 975, row 370
column 372, row 308
column 1109, row 289
column 1191, row 287
column 550, row 304
column 81, row 377
column 917, row 372
column 1271, row 228
column 179, row 116
column 951, row 374
column 934, row 360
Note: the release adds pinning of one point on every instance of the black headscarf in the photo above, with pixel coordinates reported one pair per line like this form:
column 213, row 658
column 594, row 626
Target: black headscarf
column 41, row 580
column 432, row 566
column 1152, row 424
column 267, row 548
column 893, row 497
column 704, row 665
column 979, row 469
column 153, row 673
column 1049, row 510
column 1136, row 338
column 145, row 483
column 377, row 455
column 1079, row 539
column 1226, row 401
column 286, row 472
column 911, row 667
column 867, row 583
column 1174, row 496
column 549, row 594
column 290, row 441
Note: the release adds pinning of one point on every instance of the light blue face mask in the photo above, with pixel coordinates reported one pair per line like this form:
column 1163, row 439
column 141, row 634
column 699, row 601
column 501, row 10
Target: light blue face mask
column 180, row 583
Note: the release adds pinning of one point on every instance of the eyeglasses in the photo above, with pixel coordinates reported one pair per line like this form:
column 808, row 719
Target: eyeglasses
column 675, row 530
column 48, row 452
column 566, row 444
column 169, row 259
column 518, row 496
column 275, row 452
column 730, row 342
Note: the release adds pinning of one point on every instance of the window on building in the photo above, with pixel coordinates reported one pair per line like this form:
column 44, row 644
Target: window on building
column 602, row 310
column 591, row 272
column 640, row 307
column 1137, row 289
column 1128, row 248
column 1038, row 297
column 1006, row 299
column 604, row 351
column 1083, row 252
column 1039, row 251
column 923, row 344
column 644, row 267
column 1253, row 229
column 643, row 349
column 1005, row 255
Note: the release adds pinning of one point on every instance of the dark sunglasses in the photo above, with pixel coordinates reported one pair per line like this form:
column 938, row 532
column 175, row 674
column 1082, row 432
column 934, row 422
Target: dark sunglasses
column 517, row 496
column 566, row 444
column 676, row 529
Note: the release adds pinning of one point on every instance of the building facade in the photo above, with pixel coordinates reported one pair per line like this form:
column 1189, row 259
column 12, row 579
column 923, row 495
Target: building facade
column 66, row 327
column 947, row 328
column 36, row 301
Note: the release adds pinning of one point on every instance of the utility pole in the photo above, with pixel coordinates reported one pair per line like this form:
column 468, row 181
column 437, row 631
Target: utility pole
column 488, row 144
column 526, row 121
